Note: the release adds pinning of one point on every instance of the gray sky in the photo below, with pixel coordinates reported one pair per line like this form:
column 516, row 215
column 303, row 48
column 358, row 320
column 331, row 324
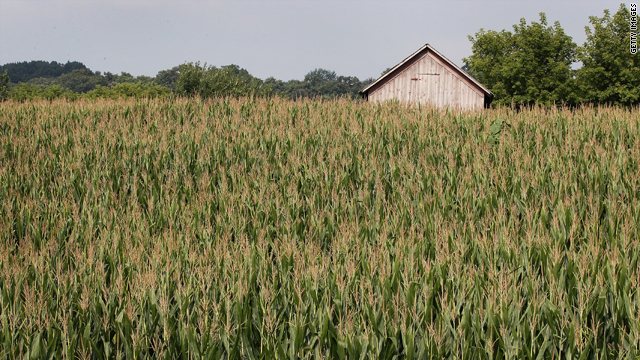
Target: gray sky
column 283, row 39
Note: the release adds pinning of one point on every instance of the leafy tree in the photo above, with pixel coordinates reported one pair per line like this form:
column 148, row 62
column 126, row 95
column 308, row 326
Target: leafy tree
column 125, row 77
column 168, row 78
column 209, row 81
column 72, row 65
column 237, row 71
column 188, row 82
column 25, row 71
column 467, row 68
column 81, row 81
column 44, row 81
column 136, row 90
column 110, row 78
column 4, row 86
column 319, row 83
column 277, row 86
column 532, row 65
column 23, row 92
column 609, row 73
column 53, row 92
column 319, row 76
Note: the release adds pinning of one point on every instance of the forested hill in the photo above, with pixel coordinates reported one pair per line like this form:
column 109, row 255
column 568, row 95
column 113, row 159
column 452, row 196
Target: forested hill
column 184, row 79
column 25, row 71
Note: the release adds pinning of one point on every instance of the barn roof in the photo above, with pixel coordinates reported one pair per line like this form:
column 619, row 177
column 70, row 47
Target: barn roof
column 389, row 74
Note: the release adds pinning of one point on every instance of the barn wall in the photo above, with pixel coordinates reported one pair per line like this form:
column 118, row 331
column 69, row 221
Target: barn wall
column 430, row 81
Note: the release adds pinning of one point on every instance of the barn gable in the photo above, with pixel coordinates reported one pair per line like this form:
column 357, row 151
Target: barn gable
column 427, row 77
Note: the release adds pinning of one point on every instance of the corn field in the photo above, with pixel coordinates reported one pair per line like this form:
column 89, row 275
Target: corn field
column 272, row 229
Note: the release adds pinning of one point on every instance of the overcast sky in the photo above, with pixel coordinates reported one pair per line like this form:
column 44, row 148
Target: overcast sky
column 283, row 39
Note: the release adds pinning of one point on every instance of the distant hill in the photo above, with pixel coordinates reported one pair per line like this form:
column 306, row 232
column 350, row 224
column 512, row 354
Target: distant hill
column 25, row 71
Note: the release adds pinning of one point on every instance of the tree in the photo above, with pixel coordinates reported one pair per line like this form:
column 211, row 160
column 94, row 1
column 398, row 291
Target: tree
column 467, row 68
column 168, row 78
column 124, row 90
column 609, row 73
column 53, row 92
column 25, row 71
column 23, row 92
column 125, row 77
column 318, row 76
column 319, row 83
column 81, row 80
column 209, row 81
column 4, row 86
column 532, row 65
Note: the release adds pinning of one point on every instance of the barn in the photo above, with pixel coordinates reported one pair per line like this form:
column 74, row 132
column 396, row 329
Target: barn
column 427, row 77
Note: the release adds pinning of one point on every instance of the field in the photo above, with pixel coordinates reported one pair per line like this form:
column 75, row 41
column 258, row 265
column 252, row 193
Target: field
column 266, row 228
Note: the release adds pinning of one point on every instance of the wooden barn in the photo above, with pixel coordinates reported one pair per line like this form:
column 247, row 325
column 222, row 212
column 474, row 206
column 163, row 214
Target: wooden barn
column 427, row 77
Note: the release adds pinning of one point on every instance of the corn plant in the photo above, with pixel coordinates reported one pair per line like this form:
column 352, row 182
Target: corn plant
column 266, row 228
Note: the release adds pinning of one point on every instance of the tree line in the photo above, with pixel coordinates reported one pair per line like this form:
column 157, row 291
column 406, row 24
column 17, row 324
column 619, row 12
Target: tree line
column 533, row 64
column 50, row 80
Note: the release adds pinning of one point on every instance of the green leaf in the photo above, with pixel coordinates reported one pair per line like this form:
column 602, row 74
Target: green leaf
column 120, row 316
column 35, row 346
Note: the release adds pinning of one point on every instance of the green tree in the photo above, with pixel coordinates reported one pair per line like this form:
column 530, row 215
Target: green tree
column 4, row 86
column 23, row 92
column 110, row 78
column 319, row 83
column 468, row 70
column 209, row 81
column 81, row 81
column 168, row 78
column 609, row 73
column 532, row 65
column 53, row 92
column 278, row 87
column 43, row 82
column 25, row 71
column 124, row 90
column 319, row 76
column 125, row 77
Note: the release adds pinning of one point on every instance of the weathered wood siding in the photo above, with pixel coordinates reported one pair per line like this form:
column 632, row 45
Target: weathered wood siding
column 429, row 80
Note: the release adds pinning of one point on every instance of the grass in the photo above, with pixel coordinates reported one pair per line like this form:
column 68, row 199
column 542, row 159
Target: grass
column 266, row 228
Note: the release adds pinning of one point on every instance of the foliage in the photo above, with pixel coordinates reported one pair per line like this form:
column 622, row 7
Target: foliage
column 54, row 92
column 467, row 68
column 125, row 77
column 29, row 92
column 25, row 71
column 81, row 81
column 209, row 81
column 265, row 228
column 138, row 90
column 530, row 66
column 495, row 131
column 610, row 73
column 169, row 77
column 4, row 86
column 23, row 92
column 319, row 83
column 230, row 80
column 43, row 82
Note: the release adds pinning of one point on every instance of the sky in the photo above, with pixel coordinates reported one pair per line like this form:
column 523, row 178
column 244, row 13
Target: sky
column 283, row 39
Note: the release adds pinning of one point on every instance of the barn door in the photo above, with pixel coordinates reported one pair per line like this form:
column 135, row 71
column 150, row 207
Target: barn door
column 431, row 88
